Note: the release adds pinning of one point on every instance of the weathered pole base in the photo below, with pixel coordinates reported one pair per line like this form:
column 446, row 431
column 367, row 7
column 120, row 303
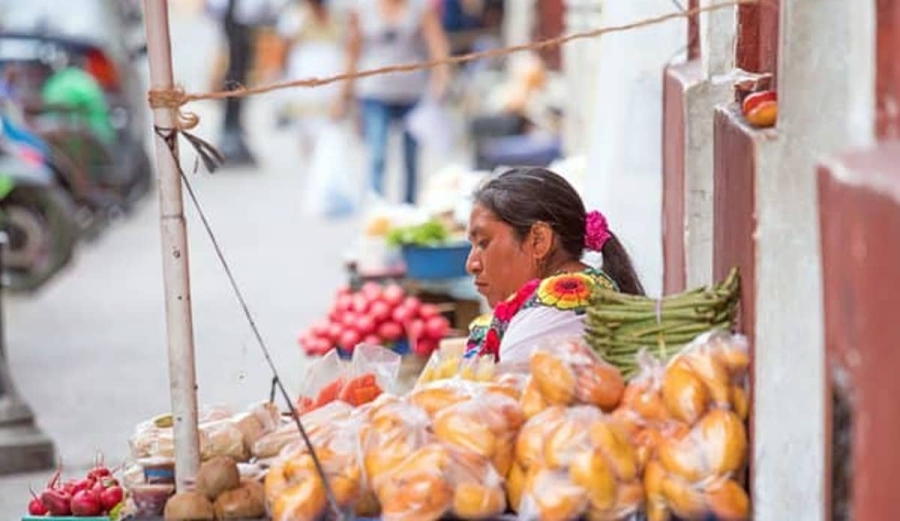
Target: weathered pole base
column 23, row 446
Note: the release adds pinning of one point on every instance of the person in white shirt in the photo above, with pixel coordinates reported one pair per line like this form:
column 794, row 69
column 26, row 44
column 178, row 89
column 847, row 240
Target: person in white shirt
column 384, row 33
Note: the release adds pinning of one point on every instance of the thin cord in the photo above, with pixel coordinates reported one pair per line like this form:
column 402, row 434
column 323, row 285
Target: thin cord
column 276, row 379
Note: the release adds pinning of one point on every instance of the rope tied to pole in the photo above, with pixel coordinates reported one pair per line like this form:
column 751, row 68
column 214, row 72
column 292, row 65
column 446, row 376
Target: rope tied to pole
column 176, row 98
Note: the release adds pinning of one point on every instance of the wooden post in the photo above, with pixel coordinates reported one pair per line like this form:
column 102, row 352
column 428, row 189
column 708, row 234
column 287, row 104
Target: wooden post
column 180, row 335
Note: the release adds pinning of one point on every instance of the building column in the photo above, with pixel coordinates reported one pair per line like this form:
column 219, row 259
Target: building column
column 519, row 21
column 825, row 74
column 625, row 137
column 859, row 211
column 692, row 91
column 580, row 73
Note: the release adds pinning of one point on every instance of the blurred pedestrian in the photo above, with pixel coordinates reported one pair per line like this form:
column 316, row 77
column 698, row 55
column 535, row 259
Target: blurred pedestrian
column 382, row 33
column 313, row 34
column 239, row 20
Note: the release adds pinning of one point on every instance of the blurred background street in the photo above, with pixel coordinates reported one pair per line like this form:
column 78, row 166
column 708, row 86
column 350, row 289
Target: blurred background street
column 84, row 317
column 88, row 351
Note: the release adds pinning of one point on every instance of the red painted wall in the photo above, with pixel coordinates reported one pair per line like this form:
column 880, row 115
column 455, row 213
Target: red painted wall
column 675, row 80
column 860, row 258
column 757, row 42
column 734, row 207
column 887, row 87
column 550, row 24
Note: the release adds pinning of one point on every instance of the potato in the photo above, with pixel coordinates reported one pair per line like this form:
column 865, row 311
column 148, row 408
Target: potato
column 244, row 502
column 189, row 506
column 216, row 476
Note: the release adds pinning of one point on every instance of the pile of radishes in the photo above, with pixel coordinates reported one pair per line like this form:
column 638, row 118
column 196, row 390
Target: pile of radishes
column 95, row 495
column 376, row 315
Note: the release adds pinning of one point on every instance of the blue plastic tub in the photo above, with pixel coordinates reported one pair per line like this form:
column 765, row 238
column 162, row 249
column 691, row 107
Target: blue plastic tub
column 435, row 263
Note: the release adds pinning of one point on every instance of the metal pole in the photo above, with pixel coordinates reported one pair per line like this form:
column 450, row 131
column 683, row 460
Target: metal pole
column 182, row 376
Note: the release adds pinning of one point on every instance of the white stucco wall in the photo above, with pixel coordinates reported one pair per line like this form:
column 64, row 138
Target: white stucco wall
column 625, row 138
column 717, row 39
column 580, row 59
column 826, row 84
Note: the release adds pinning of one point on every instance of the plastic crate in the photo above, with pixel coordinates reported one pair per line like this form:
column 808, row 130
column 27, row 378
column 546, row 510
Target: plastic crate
column 436, row 262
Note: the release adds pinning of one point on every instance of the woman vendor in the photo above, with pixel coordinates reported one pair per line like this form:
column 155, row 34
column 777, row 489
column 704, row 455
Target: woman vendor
column 529, row 230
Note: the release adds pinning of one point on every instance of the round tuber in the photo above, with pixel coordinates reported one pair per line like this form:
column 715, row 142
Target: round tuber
column 245, row 502
column 218, row 475
column 189, row 506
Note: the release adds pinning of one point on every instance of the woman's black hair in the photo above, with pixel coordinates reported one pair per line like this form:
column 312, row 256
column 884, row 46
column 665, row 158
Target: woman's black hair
column 522, row 197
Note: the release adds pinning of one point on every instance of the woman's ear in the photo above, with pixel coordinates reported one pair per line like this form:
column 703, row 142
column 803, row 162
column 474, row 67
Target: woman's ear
column 541, row 240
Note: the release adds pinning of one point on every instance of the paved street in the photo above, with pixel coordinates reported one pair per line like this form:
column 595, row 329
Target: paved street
column 89, row 351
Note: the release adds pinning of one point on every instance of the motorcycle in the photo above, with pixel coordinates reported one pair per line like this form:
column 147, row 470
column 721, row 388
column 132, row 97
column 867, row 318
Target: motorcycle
column 95, row 204
column 38, row 218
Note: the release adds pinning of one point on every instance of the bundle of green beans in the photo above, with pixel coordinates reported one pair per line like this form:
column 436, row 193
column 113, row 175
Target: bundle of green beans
column 619, row 326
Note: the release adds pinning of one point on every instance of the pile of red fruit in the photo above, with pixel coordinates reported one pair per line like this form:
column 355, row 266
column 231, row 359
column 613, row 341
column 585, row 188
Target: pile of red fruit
column 98, row 494
column 379, row 316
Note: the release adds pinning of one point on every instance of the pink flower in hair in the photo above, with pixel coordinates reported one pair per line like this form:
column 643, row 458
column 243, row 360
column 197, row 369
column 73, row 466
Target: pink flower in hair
column 596, row 231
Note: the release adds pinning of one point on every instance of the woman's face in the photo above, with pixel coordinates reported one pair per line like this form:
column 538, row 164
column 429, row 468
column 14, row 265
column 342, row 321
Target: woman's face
column 499, row 261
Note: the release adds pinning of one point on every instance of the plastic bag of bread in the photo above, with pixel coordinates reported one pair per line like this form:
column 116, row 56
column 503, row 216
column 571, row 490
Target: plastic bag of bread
column 271, row 444
column 670, row 495
column 293, row 488
column 222, row 438
column 485, row 425
column 711, row 372
column 715, row 449
column 437, row 480
column 449, row 362
column 393, row 428
column 214, row 413
column 478, row 491
column 574, row 461
column 435, row 396
column 256, row 422
column 568, row 372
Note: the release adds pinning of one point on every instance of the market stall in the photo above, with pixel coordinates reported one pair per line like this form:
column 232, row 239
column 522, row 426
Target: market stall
column 643, row 416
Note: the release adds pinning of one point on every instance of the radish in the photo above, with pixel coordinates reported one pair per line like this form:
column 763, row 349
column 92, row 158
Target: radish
column 373, row 340
column 380, row 311
column 74, row 487
column 402, row 315
column 390, row 331
column 319, row 347
column 365, row 325
column 350, row 319
column 319, row 328
column 428, row 311
column 111, row 497
column 424, row 347
column 371, row 290
column 344, row 290
column 99, row 470
column 58, row 502
column 36, row 506
column 334, row 332
column 349, row 339
column 415, row 330
column 413, row 304
column 360, row 303
column 344, row 303
column 436, row 327
column 87, row 503
column 393, row 295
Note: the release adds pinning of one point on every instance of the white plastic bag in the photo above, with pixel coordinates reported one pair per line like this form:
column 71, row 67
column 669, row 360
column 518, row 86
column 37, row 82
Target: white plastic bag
column 433, row 126
column 334, row 186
